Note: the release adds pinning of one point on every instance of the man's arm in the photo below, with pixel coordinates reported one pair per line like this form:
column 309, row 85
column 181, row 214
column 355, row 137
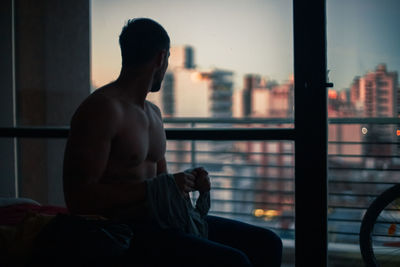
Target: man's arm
column 93, row 128
column 162, row 166
column 184, row 181
column 162, row 163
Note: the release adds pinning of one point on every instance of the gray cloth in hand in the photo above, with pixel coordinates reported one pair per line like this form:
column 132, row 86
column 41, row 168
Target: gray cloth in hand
column 171, row 210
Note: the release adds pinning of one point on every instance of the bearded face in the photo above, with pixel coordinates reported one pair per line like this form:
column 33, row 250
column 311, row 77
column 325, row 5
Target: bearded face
column 159, row 75
column 157, row 80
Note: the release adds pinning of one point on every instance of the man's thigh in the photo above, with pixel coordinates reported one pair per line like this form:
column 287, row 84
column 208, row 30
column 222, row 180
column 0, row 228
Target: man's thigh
column 262, row 246
column 157, row 247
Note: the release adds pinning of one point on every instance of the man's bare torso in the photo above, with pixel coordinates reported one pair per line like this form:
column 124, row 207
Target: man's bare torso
column 112, row 141
column 138, row 145
column 116, row 142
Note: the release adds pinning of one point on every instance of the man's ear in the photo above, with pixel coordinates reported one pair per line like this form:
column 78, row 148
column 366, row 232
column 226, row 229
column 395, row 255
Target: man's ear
column 161, row 57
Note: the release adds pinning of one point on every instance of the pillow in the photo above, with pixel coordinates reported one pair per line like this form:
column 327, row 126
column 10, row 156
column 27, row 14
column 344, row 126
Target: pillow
column 8, row 201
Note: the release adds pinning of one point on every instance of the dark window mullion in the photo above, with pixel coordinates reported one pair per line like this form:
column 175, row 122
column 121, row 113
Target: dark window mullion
column 311, row 132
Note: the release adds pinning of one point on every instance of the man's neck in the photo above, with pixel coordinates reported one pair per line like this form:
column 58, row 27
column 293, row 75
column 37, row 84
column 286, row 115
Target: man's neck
column 135, row 86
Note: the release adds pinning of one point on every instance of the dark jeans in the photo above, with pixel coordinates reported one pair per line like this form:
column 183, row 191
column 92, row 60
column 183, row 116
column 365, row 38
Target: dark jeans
column 230, row 243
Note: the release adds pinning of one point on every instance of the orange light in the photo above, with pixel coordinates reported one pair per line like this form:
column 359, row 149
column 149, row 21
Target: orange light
column 196, row 77
column 332, row 94
column 271, row 213
column 398, row 132
column 258, row 212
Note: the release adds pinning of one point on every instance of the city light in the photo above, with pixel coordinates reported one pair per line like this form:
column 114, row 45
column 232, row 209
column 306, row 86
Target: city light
column 267, row 213
column 332, row 94
column 271, row 213
column 196, row 77
column 364, row 130
column 258, row 212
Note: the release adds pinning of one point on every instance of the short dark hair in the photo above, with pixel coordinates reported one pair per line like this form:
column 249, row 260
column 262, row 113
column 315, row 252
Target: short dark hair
column 140, row 40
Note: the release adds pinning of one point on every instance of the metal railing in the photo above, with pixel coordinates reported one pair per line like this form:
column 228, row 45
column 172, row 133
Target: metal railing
column 355, row 178
column 252, row 170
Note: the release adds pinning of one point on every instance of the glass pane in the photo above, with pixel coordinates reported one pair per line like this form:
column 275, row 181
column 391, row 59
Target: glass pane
column 363, row 62
column 251, row 181
column 229, row 59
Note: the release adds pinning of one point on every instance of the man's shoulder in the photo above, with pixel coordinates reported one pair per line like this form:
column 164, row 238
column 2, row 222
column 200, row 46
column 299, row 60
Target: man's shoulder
column 98, row 104
column 151, row 104
column 154, row 107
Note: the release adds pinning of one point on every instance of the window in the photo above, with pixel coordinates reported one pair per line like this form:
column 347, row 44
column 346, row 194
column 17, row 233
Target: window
column 362, row 136
column 382, row 100
column 263, row 99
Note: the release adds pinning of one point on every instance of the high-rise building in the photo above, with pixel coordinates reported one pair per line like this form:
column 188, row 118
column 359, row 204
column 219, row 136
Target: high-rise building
column 267, row 99
column 376, row 95
column 250, row 81
column 263, row 98
column 220, row 90
column 167, row 96
column 181, row 57
column 339, row 106
column 189, row 92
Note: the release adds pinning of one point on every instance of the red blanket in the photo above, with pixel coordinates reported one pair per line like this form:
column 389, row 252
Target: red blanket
column 14, row 214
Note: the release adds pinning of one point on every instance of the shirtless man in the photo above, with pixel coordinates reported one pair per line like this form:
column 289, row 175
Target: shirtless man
column 117, row 141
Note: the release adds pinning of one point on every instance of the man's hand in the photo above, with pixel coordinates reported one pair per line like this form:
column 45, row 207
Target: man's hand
column 185, row 182
column 202, row 182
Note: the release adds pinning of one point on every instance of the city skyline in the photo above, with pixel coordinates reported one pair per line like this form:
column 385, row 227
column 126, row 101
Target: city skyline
column 190, row 92
column 209, row 30
column 256, row 46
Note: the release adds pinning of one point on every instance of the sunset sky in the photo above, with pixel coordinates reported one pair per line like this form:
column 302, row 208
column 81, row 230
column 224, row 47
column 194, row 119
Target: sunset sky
column 253, row 36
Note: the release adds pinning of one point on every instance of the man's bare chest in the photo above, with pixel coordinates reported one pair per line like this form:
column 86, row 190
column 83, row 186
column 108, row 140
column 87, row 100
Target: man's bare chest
column 138, row 142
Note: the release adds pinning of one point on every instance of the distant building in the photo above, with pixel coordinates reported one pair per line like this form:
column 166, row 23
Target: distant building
column 340, row 106
column 168, row 95
column 220, row 90
column 189, row 92
column 281, row 102
column 181, row 57
column 250, row 82
column 267, row 99
column 374, row 95
column 263, row 98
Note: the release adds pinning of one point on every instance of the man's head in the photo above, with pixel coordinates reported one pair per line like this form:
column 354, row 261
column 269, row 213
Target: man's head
column 142, row 41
